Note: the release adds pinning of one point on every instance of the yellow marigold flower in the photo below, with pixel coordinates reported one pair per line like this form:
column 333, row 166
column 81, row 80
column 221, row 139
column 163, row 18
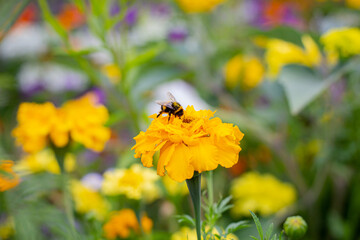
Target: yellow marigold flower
column 186, row 233
column 135, row 183
column 353, row 4
column 8, row 178
column 342, row 41
column 191, row 143
column 198, row 6
column 44, row 161
column 280, row 53
column 82, row 119
column 248, row 71
column 261, row 193
column 122, row 222
column 87, row 122
column 88, row 201
column 35, row 122
column 112, row 71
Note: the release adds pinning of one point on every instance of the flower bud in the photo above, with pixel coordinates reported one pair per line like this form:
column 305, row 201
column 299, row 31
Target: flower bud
column 295, row 227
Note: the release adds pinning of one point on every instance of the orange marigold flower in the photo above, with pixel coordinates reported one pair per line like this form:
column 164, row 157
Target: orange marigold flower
column 8, row 178
column 81, row 119
column 146, row 224
column 191, row 143
column 71, row 17
column 122, row 222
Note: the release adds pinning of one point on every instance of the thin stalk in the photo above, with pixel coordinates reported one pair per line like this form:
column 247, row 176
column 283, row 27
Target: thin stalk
column 194, row 186
column 210, row 187
column 60, row 154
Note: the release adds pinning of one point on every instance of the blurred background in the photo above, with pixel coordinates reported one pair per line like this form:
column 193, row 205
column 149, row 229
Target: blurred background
column 285, row 72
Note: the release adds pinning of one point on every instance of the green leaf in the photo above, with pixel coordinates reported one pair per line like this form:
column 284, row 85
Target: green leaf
column 301, row 86
column 233, row 227
column 258, row 225
column 9, row 13
column 285, row 33
column 145, row 56
column 49, row 17
column 185, row 219
column 274, row 237
column 269, row 231
column 254, row 238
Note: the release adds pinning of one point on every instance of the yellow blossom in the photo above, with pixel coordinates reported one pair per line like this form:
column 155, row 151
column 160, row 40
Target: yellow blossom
column 198, row 6
column 34, row 124
column 82, row 119
column 112, row 71
column 135, row 183
column 44, row 161
column 191, row 143
column 353, row 4
column 280, row 53
column 342, row 41
column 7, row 228
column 88, row 201
column 87, row 119
column 260, row 193
column 8, row 178
column 248, row 71
column 186, row 233
column 123, row 222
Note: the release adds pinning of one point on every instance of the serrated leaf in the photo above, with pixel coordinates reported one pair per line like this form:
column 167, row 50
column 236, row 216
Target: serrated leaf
column 258, row 225
column 185, row 219
column 233, row 227
column 269, row 231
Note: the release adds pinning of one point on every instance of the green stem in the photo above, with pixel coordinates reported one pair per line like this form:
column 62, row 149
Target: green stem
column 210, row 187
column 60, row 154
column 194, row 186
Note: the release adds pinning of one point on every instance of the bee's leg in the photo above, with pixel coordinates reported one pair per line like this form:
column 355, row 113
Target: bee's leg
column 160, row 113
column 169, row 117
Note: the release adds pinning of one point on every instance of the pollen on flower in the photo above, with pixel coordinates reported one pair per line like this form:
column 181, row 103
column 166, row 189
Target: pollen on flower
column 197, row 142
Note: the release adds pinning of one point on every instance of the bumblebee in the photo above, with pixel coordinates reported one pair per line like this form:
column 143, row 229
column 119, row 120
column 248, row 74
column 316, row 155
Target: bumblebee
column 171, row 107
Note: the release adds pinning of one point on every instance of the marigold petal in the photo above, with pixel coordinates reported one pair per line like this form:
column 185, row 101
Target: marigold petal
column 166, row 153
column 203, row 156
column 147, row 158
column 179, row 167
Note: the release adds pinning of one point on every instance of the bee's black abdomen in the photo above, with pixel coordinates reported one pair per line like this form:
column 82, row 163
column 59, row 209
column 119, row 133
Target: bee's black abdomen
column 180, row 112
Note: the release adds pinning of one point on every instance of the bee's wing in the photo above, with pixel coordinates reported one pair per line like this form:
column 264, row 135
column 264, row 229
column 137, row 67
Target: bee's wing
column 171, row 97
column 165, row 103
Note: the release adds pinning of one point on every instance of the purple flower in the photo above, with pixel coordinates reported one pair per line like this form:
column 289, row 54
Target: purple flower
column 160, row 9
column 177, row 35
column 131, row 15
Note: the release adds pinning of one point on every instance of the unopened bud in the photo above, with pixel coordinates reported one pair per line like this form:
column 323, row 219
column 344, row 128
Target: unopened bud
column 295, row 227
